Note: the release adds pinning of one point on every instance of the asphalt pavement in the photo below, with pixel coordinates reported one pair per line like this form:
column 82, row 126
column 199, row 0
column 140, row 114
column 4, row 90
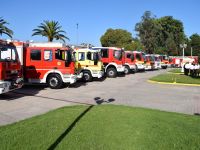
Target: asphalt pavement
column 130, row 90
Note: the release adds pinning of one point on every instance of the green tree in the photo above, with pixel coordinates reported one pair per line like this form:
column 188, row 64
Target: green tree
column 172, row 34
column 135, row 45
column 52, row 30
column 195, row 44
column 4, row 29
column 149, row 32
column 116, row 37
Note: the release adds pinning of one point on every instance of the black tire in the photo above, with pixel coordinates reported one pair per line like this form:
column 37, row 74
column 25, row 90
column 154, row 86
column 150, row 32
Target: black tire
column 136, row 68
column 127, row 70
column 87, row 77
column 164, row 67
column 111, row 72
column 54, row 81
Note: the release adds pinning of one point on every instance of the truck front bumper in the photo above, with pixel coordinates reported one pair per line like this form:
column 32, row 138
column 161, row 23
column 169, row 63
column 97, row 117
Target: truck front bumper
column 147, row 67
column 69, row 78
column 120, row 68
column 132, row 67
column 140, row 67
column 6, row 86
column 97, row 74
column 80, row 75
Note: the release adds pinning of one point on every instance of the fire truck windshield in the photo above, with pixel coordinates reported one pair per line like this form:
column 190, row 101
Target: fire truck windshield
column 157, row 58
column 152, row 58
column 8, row 53
column 165, row 57
column 64, row 55
column 132, row 57
column 96, row 56
column 138, row 56
column 118, row 54
column 144, row 57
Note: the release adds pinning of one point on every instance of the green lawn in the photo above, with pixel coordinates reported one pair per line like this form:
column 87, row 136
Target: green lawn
column 178, row 78
column 104, row 127
column 176, row 70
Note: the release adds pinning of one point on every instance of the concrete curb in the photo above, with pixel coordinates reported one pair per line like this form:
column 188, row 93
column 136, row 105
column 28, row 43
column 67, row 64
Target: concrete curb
column 174, row 83
column 175, row 73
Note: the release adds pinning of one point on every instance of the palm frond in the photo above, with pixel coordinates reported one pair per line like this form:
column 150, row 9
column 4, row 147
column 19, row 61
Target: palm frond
column 4, row 29
column 51, row 30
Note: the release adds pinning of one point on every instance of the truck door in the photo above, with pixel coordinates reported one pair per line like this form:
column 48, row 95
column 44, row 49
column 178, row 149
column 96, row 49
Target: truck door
column 33, row 63
column 105, row 56
column 90, row 60
column 81, row 59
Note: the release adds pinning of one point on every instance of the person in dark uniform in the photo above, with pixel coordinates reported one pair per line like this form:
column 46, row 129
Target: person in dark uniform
column 186, row 69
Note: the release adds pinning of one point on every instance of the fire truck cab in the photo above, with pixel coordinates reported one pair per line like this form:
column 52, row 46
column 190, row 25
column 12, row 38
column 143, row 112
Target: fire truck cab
column 150, row 62
column 88, row 62
column 112, row 59
column 164, row 61
column 10, row 67
column 139, row 59
column 50, row 63
column 129, row 62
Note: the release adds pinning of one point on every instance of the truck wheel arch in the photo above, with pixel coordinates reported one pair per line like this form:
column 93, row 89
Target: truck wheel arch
column 44, row 80
column 111, row 66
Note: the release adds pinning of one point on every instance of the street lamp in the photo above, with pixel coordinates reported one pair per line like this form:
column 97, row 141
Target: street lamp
column 77, row 34
column 183, row 46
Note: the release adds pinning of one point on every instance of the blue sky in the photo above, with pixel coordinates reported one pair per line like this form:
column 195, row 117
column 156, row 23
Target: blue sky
column 93, row 16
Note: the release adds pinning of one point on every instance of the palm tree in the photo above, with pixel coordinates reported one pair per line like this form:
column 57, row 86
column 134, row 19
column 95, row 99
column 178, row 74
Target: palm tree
column 51, row 30
column 4, row 29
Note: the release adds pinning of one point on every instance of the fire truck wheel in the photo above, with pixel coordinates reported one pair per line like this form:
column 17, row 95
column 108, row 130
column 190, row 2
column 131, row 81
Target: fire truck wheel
column 54, row 81
column 87, row 77
column 111, row 72
column 164, row 67
column 126, row 70
column 136, row 68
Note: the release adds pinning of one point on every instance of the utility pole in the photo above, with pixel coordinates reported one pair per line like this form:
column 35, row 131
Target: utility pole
column 183, row 46
column 77, row 34
column 191, row 51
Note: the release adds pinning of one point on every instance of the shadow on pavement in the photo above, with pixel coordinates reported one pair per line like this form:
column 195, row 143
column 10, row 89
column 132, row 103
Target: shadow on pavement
column 19, row 93
column 100, row 100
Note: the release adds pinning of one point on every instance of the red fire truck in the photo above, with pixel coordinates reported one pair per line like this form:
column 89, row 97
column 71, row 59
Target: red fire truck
column 50, row 63
column 10, row 68
column 150, row 62
column 164, row 61
column 139, row 59
column 129, row 62
column 113, row 60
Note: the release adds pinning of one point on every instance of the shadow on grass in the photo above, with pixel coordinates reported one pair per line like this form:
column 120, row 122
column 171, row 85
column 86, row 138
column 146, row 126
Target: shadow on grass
column 66, row 132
